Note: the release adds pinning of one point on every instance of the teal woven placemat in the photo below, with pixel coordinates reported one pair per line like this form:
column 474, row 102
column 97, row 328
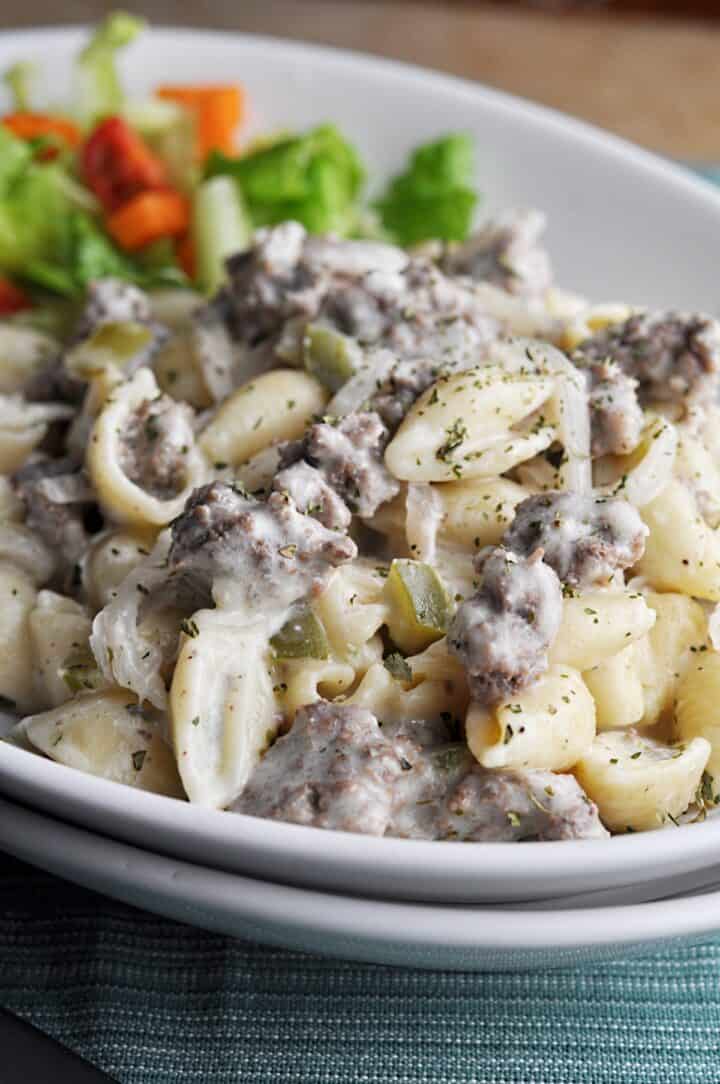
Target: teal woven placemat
column 151, row 1002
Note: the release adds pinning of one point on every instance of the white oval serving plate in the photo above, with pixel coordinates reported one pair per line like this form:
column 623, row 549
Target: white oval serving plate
column 623, row 225
column 462, row 938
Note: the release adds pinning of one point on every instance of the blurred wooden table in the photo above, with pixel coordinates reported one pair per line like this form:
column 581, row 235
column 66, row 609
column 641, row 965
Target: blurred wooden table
column 657, row 82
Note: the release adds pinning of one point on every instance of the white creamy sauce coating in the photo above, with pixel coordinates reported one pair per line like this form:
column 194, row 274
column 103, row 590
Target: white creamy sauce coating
column 424, row 514
column 502, row 633
column 409, row 319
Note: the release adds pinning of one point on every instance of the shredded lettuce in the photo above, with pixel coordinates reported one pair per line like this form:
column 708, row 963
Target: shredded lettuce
column 18, row 79
column 316, row 179
column 87, row 253
column 32, row 206
column 50, row 224
column 47, row 239
column 432, row 198
column 98, row 90
column 90, row 254
column 15, row 156
column 313, row 178
column 170, row 131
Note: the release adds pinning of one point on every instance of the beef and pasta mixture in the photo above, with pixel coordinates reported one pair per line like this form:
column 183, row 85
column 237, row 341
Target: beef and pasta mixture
column 372, row 540
column 353, row 528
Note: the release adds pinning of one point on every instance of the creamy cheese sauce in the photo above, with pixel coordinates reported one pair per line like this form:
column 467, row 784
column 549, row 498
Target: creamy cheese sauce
column 360, row 724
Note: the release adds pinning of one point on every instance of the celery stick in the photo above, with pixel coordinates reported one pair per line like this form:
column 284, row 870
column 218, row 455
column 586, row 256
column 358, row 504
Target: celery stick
column 220, row 228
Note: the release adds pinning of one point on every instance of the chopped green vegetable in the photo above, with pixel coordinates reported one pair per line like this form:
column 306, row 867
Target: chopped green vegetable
column 110, row 344
column 330, row 356
column 419, row 606
column 156, row 255
column 91, row 254
column 704, row 794
column 18, row 79
column 433, row 197
column 138, row 759
column 301, row 637
column 98, row 91
column 450, row 757
column 83, row 253
column 220, row 228
column 46, row 238
column 32, row 206
column 77, row 195
column 15, row 157
column 171, row 132
column 80, row 672
column 152, row 117
column 54, row 317
column 455, row 434
column 396, row 665
column 190, row 627
column 313, row 178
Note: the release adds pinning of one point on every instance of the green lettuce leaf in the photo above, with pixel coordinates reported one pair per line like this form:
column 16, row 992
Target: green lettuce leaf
column 46, row 239
column 98, row 90
column 92, row 255
column 19, row 79
column 15, row 157
column 432, row 198
column 32, row 206
column 314, row 178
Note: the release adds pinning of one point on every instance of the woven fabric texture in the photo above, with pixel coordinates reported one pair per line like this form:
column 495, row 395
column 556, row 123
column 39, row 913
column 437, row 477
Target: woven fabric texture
column 154, row 1002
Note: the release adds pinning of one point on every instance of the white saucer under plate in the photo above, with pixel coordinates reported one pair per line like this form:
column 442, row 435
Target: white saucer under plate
column 624, row 224
column 356, row 864
column 417, row 935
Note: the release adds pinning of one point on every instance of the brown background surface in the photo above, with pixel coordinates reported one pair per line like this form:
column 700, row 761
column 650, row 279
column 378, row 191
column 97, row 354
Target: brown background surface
column 652, row 79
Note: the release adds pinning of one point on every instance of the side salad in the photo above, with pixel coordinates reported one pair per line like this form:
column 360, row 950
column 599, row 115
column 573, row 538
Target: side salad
column 159, row 192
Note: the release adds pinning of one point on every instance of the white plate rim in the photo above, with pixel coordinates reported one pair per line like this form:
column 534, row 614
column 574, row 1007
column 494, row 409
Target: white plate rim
column 248, row 844
column 693, row 185
column 441, row 934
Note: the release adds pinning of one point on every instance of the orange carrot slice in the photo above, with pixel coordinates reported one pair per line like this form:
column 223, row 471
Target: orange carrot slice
column 219, row 109
column 147, row 217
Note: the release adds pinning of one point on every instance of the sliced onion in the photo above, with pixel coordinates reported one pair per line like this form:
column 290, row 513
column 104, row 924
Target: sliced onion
column 574, row 432
column 537, row 474
column 123, row 655
column 646, row 481
column 355, row 257
column 652, row 474
column 257, row 473
column 456, row 572
column 573, row 410
column 363, row 385
column 22, row 547
column 424, row 514
column 714, row 627
column 67, row 489
column 16, row 413
column 519, row 316
column 571, row 403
